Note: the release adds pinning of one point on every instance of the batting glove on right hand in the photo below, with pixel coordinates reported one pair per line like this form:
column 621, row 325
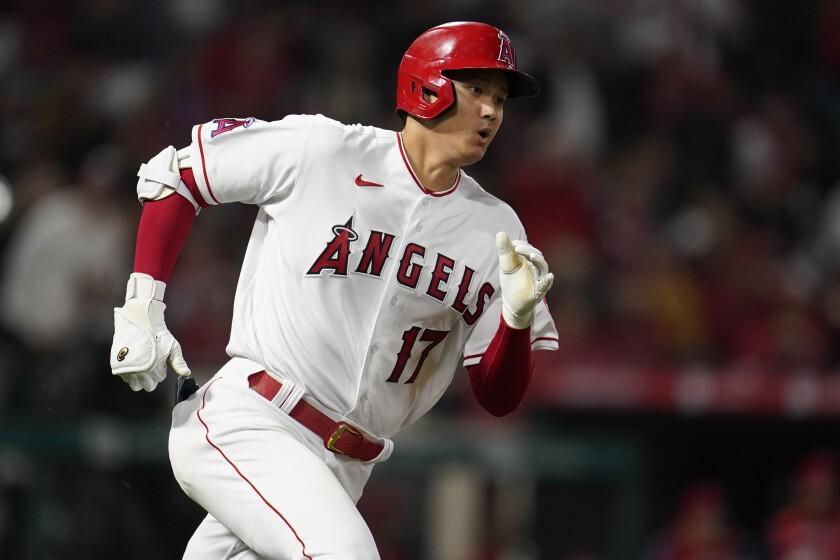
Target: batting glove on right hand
column 142, row 345
column 524, row 278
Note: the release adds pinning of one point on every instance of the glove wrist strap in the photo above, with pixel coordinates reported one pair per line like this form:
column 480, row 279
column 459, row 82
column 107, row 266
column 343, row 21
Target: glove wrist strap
column 142, row 285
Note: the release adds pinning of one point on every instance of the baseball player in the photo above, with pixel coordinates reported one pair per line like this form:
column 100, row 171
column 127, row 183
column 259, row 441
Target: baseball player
column 375, row 266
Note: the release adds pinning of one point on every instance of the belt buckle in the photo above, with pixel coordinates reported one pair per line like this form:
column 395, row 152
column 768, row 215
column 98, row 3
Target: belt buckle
column 336, row 436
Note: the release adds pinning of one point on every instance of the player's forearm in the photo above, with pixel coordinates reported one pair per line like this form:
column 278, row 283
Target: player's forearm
column 500, row 380
column 164, row 227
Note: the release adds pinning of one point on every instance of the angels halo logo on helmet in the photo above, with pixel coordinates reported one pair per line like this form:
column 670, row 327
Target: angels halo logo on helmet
column 506, row 54
column 460, row 45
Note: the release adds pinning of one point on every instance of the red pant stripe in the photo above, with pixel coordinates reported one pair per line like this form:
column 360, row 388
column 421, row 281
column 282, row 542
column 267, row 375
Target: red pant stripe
column 242, row 476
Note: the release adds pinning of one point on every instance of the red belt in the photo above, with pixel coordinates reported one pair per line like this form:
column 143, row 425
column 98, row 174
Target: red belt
column 339, row 437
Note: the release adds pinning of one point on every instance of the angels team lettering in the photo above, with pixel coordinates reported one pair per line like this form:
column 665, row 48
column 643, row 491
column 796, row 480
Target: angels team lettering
column 334, row 260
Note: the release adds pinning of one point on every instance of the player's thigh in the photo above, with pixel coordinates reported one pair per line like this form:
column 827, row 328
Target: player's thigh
column 214, row 541
column 262, row 484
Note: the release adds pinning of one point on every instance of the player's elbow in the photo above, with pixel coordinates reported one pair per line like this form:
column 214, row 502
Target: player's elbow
column 495, row 396
column 502, row 411
column 499, row 409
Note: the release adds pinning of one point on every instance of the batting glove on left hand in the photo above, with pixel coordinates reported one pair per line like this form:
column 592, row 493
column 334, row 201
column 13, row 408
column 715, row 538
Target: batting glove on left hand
column 524, row 278
column 143, row 346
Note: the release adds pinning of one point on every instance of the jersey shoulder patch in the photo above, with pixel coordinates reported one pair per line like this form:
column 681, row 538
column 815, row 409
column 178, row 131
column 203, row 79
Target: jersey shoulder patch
column 221, row 129
column 220, row 126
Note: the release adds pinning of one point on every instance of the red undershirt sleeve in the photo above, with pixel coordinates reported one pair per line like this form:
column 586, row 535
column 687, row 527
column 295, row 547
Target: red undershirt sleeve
column 164, row 227
column 499, row 381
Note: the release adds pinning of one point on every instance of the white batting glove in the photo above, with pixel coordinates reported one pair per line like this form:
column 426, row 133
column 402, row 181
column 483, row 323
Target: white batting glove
column 525, row 279
column 143, row 346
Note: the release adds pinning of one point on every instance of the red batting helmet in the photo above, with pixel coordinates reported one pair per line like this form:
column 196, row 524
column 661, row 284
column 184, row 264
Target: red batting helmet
column 459, row 45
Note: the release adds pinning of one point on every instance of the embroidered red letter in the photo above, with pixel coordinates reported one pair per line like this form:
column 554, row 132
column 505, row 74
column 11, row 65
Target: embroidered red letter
column 337, row 251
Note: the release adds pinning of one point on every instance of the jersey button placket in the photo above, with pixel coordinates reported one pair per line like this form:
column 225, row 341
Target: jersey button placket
column 387, row 322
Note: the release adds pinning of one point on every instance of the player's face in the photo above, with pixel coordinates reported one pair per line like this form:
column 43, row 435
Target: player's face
column 470, row 127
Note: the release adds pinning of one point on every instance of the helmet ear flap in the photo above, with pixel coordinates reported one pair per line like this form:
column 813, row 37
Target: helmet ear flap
column 430, row 97
column 445, row 97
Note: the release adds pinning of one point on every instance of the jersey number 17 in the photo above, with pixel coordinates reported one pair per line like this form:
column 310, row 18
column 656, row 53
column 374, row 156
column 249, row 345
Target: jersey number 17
column 410, row 338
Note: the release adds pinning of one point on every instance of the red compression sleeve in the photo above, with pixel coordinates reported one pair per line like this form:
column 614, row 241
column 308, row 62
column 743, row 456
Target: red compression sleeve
column 500, row 379
column 164, row 227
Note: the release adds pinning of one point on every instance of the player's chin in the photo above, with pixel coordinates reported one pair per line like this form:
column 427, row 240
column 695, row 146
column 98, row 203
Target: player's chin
column 474, row 154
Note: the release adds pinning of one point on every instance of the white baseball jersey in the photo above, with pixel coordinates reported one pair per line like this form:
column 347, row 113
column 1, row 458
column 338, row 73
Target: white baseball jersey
column 358, row 284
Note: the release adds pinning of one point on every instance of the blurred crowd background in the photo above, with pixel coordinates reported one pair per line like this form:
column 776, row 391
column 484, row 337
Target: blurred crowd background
column 679, row 170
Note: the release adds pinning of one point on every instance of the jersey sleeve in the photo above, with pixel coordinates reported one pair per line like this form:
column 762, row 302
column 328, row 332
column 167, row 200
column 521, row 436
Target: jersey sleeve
column 247, row 160
column 543, row 332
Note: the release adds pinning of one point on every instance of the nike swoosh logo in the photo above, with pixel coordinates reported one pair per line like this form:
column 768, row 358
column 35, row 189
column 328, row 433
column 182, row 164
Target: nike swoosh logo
column 362, row 183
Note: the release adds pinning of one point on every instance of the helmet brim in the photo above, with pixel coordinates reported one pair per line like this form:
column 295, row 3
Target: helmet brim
column 522, row 84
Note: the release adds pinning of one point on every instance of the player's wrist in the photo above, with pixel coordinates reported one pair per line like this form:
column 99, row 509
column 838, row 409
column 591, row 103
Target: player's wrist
column 144, row 302
column 143, row 287
column 517, row 321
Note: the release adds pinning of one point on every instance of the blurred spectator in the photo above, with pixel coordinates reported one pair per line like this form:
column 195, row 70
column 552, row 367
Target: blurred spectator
column 34, row 179
column 61, row 276
column 808, row 527
column 700, row 529
column 65, row 260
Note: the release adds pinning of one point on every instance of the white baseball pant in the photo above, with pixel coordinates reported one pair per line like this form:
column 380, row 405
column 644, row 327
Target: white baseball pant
column 270, row 488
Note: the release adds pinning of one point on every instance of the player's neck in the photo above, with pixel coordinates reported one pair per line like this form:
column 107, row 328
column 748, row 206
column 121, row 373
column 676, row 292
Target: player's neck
column 428, row 159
